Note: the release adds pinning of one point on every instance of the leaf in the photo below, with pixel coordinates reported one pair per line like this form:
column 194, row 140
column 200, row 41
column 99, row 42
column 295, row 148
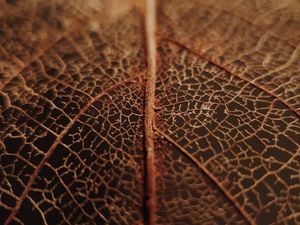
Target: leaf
column 104, row 121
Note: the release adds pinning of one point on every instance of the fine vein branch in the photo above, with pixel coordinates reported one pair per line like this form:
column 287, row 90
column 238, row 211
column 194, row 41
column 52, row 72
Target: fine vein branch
column 227, row 194
column 51, row 150
column 150, row 27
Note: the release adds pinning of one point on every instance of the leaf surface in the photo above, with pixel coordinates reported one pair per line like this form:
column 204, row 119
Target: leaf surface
column 104, row 121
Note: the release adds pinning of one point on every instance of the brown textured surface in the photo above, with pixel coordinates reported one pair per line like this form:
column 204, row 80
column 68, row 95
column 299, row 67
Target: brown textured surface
column 255, row 40
column 91, row 132
column 246, row 138
column 185, row 195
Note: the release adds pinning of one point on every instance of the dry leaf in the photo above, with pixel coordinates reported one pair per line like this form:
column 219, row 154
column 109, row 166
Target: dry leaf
column 144, row 112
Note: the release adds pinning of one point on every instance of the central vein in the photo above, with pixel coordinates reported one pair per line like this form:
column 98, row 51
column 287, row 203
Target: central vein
column 150, row 27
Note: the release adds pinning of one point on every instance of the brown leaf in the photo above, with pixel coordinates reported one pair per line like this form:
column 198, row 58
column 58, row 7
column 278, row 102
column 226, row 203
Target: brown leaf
column 144, row 112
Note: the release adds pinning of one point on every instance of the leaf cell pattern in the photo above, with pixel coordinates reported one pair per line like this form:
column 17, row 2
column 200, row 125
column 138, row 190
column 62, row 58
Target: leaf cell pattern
column 224, row 32
column 71, row 127
column 246, row 138
column 75, row 88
